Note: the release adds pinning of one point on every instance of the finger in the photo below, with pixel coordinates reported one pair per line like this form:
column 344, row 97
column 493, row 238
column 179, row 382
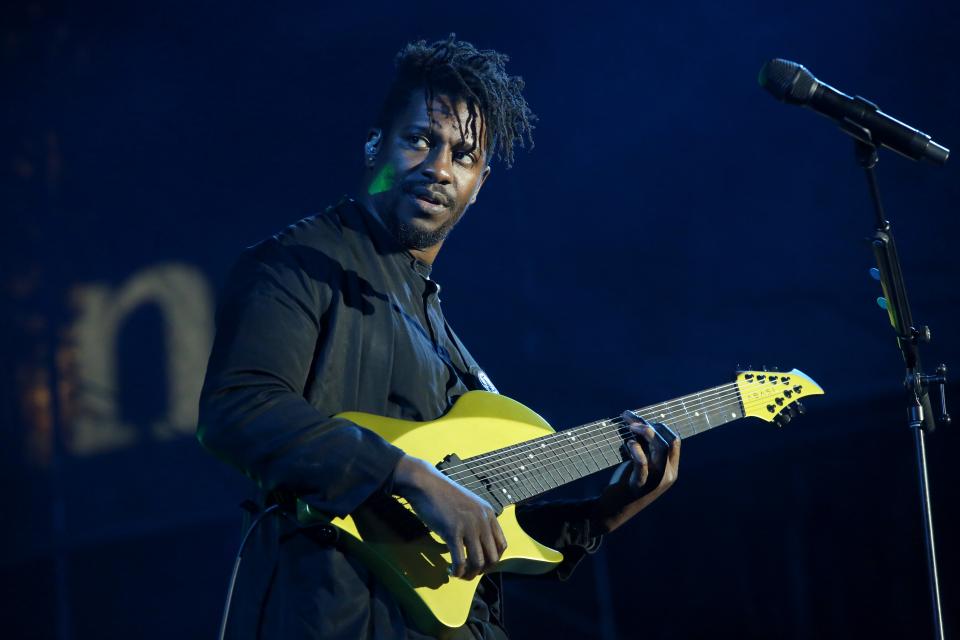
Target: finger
column 498, row 536
column 474, row 562
column 457, row 557
column 669, row 435
column 640, row 462
column 632, row 417
column 490, row 552
column 673, row 458
column 645, row 431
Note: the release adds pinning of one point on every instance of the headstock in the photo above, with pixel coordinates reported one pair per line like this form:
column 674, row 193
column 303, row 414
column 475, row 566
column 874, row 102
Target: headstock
column 774, row 396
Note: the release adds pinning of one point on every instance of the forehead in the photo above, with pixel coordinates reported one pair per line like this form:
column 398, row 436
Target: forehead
column 444, row 112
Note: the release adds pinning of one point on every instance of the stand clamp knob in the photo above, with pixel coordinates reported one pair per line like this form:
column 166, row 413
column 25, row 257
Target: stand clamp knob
column 940, row 378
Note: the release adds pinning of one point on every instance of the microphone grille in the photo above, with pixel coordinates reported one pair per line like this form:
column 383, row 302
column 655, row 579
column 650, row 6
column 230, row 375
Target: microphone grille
column 787, row 81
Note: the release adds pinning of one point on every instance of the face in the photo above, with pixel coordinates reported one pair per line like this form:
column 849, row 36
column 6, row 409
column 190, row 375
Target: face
column 426, row 172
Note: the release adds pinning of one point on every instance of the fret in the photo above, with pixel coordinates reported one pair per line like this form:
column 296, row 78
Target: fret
column 611, row 443
column 703, row 413
column 588, row 442
column 585, row 437
column 689, row 422
column 571, row 455
column 541, row 458
column 513, row 478
column 561, row 460
column 528, row 479
column 528, row 460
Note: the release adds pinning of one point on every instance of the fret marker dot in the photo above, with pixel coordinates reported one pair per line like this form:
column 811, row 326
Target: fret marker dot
column 573, row 438
column 530, row 455
column 522, row 468
column 504, row 490
column 543, row 446
column 663, row 415
column 515, row 479
column 696, row 413
column 733, row 415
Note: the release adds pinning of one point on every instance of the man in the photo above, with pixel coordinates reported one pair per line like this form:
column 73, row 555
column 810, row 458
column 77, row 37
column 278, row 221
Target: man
column 337, row 313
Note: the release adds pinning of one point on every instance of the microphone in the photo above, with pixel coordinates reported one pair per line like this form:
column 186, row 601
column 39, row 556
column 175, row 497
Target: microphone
column 794, row 84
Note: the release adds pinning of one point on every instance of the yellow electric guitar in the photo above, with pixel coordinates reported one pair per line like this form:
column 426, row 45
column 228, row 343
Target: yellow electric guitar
column 506, row 453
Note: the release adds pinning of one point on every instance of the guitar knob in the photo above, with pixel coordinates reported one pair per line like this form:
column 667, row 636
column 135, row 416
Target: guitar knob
column 800, row 408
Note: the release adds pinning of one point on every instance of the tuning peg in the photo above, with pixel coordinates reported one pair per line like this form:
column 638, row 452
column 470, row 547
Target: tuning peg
column 800, row 409
column 875, row 273
column 882, row 303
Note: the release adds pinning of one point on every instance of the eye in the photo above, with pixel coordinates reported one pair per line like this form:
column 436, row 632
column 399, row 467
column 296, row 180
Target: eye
column 464, row 158
column 418, row 141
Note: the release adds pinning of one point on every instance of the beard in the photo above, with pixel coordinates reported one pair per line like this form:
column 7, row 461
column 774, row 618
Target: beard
column 413, row 237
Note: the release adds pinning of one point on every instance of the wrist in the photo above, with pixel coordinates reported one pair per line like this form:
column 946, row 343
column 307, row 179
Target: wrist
column 609, row 508
column 409, row 474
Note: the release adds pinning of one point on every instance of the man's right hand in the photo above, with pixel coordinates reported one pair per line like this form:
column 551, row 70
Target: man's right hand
column 461, row 518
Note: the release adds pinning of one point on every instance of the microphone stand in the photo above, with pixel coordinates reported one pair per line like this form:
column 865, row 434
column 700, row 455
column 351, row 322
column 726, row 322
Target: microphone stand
column 909, row 338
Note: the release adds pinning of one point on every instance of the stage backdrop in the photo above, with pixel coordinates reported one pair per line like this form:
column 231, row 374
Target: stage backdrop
column 672, row 222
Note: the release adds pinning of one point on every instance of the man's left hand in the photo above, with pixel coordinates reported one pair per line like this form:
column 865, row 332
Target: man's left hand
column 655, row 456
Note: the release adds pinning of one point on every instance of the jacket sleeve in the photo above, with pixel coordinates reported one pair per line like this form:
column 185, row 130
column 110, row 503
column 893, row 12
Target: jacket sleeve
column 253, row 413
column 564, row 525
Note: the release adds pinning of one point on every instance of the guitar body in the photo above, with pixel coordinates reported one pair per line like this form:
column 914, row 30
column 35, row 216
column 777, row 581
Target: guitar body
column 394, row 543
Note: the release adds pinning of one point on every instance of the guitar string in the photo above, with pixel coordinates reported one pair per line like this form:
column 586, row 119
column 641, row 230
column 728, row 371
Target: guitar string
column 719, row 395
column 711, row 396
column 543, row 471
column 603, row 432
column 588, row 429
column 587, row 435
column 594, row 432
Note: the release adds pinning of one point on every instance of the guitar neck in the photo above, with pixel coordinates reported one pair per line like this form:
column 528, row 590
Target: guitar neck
column 528, row 469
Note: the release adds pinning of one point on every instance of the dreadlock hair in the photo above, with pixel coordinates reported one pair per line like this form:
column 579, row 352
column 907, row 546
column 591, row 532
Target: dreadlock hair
column 457, row 69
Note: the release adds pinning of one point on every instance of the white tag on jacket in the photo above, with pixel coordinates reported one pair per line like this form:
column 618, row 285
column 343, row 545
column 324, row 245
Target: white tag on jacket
column 485, row 381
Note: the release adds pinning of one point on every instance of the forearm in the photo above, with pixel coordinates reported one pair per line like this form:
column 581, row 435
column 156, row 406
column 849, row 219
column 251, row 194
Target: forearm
column 283, row 443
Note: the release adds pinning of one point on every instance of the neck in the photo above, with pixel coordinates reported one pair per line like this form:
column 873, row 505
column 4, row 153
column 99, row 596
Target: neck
column 531, row 468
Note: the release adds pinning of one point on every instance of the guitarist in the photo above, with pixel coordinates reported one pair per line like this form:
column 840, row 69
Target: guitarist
column 339, row 312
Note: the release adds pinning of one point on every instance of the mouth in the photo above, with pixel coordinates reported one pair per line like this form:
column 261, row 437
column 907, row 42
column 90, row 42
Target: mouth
column 427, row 202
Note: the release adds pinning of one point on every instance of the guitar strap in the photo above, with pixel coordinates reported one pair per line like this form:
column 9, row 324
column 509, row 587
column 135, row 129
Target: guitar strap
column 476, row 378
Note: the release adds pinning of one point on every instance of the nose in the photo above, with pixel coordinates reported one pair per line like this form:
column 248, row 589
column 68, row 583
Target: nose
column 436, row 165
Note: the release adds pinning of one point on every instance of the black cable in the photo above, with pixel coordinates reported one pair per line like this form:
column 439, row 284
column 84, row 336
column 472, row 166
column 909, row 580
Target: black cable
column 236, row 566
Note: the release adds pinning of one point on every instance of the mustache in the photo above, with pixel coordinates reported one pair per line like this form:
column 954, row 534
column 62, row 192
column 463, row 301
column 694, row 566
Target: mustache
column 430, row 191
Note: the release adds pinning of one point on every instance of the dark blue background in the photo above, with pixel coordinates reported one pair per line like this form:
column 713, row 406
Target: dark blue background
column 672, row 222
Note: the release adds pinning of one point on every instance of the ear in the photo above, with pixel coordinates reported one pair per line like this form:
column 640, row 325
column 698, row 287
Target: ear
column 372, row 146
column 483, row 178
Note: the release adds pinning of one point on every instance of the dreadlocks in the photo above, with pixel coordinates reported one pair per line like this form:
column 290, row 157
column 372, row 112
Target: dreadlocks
column 457, row 69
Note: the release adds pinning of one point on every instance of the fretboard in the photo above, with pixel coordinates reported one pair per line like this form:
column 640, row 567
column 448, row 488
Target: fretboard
column 528, row 469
